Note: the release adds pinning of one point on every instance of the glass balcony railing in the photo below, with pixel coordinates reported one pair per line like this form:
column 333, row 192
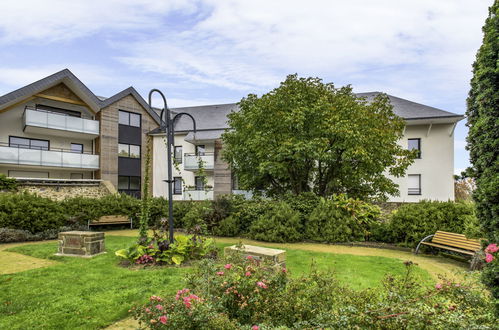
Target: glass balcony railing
column 192, row 161
column 55, row 158
column 198, row 195
column 246, row 193
column 46, row 119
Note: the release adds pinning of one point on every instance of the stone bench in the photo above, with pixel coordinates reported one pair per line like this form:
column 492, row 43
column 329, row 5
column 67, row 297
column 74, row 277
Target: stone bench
column 84, row 244
column 260, row 253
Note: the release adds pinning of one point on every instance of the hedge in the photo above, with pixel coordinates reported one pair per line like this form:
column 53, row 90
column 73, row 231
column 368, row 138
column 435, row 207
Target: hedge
column 295, row 218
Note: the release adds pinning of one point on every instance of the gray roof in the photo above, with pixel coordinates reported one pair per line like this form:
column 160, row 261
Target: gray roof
column 411, row 110
column 214, row 117
column 207, row 116
column 69, row 79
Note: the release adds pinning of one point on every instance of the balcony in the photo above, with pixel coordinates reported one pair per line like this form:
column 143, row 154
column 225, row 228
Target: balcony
column 198, row 195
column 53, row 158
column 40, row 121
column 192, row 161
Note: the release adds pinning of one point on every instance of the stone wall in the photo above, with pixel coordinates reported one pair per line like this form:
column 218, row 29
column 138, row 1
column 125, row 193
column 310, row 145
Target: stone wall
column 61, row 191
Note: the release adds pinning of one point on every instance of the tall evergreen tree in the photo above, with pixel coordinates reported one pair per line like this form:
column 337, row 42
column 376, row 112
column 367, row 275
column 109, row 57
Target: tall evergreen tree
column 483, row 140
column 483, row 123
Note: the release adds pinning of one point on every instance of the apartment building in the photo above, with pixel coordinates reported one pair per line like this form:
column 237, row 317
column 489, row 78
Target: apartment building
column 57, row 130
column 429, row 130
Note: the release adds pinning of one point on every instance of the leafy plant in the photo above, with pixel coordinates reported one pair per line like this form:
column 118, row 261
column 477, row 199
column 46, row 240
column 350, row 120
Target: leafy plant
column 158, row 250
column 411, row 222
column 279, row 223
column 7, row 184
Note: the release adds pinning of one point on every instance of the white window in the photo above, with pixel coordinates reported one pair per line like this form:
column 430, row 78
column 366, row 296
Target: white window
column 414, row 184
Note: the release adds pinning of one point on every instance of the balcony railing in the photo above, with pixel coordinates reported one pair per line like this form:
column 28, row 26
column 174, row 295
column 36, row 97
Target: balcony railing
column 53, row 157
column 53, row 120
column 198, row 195
column 246, row 193
column 192, row 161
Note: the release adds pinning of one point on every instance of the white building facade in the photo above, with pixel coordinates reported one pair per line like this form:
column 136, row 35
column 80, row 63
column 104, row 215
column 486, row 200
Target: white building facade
column 428, row 129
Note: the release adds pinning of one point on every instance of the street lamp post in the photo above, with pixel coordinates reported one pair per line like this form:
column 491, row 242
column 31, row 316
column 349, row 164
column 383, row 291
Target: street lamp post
column 168, row 124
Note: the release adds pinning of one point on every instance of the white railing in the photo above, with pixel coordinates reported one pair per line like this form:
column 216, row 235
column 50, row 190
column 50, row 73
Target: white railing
column 37, row 157
column 246, row 193
column 46, row 119
column 191, row 161
column 198, row 195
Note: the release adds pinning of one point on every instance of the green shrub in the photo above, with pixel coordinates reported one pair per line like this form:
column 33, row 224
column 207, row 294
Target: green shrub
column 228, row 227
column 84, row 209
column 195, row 220
column 305, row 203
column 7, row 184
column 412, row 222
column 279, row 223
column 245, row 212
column 341, row 219
column 31, row 212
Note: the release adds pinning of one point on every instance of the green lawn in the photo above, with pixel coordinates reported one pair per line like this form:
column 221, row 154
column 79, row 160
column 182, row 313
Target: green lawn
column 92, row 293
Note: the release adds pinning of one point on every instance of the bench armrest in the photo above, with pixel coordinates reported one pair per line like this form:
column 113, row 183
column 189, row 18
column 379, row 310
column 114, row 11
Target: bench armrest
column 423, row 240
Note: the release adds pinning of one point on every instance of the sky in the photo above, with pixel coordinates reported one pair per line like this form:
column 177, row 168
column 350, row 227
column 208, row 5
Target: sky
column 216, row 51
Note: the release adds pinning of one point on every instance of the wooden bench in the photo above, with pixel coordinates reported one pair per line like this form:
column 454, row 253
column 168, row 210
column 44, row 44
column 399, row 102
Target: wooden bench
column 111, row 220
column 453, row 242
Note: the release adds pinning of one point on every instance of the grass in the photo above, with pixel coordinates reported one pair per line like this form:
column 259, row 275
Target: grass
column 91, row 293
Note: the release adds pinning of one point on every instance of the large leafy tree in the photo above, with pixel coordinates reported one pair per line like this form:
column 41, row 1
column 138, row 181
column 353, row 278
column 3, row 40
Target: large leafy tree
column 483, row 123
column 307, row 135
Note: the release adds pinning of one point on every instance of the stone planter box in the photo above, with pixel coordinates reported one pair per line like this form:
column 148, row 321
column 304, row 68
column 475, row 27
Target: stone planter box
column 275, row 256
column 85, row 244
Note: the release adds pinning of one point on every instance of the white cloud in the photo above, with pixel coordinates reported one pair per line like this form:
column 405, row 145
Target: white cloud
column 16, row 77
column 406, row 48
column 59, row 20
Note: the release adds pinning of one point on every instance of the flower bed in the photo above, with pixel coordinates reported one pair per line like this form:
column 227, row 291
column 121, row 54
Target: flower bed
column 247, row 294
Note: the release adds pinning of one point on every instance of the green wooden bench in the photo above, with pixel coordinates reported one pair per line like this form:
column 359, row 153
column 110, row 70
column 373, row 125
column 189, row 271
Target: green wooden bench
column 111, row 220
column 455, row 243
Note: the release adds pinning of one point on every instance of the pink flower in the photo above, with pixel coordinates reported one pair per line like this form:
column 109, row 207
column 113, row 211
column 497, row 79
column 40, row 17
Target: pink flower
column 250, row 257
column 193, row 296
column 261, row 285
column 155, row 298
column 255, row 327
column 148, row 310
column 220, row 273
column 159, row 307
column 492, row 248
column 438, row 286
column 228, row 266
column 488, row 257
column 284, row 270
column 163, row 319
column 187, row 304
column 248, row 274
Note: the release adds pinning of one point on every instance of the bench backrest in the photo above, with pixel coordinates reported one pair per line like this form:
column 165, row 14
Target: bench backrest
column 456, row 240
column 112, row 219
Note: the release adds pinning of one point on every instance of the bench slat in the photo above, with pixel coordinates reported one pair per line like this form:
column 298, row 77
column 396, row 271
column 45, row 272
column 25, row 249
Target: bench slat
column 449, row 248
column 463, row 245
column 111, row 219
column 471, row 243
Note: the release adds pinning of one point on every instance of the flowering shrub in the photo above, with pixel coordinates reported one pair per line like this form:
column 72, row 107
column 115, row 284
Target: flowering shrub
column 490, row 274
column 246, row 294
column 158, row 250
